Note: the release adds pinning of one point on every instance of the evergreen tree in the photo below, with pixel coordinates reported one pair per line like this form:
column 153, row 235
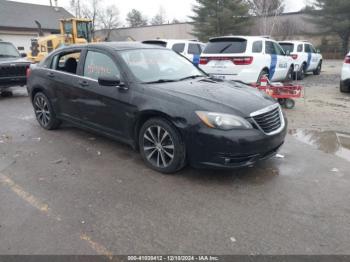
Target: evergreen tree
column 332, row 16
column 135, row 18
column 220, row 17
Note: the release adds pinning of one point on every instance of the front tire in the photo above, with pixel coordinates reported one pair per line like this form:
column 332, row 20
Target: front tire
column 344, row 88
column 161, row 146
column 44, row 112
column 318, row 70
column 290, row 73
column 300, row 75
column 262, row 73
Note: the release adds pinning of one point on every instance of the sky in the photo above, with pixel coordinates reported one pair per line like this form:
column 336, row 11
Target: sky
column 179, row 9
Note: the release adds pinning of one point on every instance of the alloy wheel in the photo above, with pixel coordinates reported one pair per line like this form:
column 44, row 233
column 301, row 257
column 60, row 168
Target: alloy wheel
column 158, row 146
column 42, row 110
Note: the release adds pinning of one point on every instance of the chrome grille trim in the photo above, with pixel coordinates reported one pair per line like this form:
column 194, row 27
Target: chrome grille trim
column 272, row 118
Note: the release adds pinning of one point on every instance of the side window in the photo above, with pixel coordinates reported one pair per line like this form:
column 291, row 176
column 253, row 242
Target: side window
column 66, row 62
column 194, row 49
column 279, row 50
column 179, row 48
column 98, row 64
column 257, row 47
column 313, row 50
column 308, row 48
column 300, row 48
column 269, row 48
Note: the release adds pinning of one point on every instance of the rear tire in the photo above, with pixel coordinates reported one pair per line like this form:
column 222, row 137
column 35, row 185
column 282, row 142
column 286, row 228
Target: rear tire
column 44, row 112
column 161, row 146
column 300, row 75
column 318, row 70
column 262, row 73
column 290, row 74
column 344, row 88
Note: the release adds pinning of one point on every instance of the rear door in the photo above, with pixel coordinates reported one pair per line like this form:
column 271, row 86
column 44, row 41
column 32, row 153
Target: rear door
column 63, row 75
column 194, row 52
column 310, row 58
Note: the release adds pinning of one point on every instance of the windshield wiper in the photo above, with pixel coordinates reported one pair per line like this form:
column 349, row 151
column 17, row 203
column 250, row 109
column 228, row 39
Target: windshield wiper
column 159, row 81
column 191, row 77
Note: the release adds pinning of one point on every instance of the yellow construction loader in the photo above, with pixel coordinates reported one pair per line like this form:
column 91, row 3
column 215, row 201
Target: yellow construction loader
column 73, row 31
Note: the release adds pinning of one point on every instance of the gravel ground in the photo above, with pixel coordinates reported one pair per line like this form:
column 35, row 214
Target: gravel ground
column 324, row 106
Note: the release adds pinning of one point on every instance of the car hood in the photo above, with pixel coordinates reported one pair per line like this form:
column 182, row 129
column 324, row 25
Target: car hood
column 9, row 60
column 207, row 94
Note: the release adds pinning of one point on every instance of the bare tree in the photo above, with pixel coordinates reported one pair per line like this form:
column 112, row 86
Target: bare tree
column 268, row 11
column 90, row 10
column 160, row 17
column 109, row 19
column 75, row 6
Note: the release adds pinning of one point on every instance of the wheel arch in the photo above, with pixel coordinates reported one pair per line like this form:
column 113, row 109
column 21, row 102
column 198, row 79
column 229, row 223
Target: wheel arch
column 144, row 116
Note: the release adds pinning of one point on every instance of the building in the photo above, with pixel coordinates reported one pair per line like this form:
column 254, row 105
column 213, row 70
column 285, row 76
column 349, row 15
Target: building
column 17, row 22
column 166, row 31
column 288, row 26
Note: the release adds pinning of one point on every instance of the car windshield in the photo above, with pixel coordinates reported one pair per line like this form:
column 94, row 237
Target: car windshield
column 8, row 50
column 159, row 65
column 287, row 47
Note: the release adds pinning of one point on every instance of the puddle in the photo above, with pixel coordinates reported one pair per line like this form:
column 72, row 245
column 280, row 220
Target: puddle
column 330, row 142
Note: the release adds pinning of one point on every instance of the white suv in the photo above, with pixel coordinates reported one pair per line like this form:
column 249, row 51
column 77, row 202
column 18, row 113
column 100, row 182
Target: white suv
column 246, row 59
column 190, row 49
column 305, row 56
column 345, row 75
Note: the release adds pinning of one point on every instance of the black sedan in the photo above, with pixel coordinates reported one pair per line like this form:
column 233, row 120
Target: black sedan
column 159, row 103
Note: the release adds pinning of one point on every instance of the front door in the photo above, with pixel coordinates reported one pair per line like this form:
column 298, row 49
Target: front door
column 103, row 107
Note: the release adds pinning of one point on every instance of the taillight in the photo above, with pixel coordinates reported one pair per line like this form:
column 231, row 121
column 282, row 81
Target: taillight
column 28, row 72
column 295, row 56
column 235, row 60
column 347, row 60
column 242, row 60
column 203, row 61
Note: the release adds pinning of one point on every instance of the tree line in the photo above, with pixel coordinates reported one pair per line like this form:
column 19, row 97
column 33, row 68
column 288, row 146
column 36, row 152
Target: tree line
column 226, row 17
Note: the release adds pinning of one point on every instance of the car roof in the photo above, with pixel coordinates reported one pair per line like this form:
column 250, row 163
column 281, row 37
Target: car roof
column 118, row 46
column 294, row 42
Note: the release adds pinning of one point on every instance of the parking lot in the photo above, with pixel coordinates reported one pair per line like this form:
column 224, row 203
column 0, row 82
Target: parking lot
column 72, row 192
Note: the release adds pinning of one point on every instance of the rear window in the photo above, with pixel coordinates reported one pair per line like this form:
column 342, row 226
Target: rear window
column 151, row 42
column 287, row 47
column 226, row 46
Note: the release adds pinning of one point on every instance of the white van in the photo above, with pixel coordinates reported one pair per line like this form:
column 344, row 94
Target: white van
column 246, row 59
column 191, row 49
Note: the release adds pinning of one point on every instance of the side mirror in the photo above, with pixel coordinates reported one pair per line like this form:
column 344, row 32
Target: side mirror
column 110, row 81
column 23, row 55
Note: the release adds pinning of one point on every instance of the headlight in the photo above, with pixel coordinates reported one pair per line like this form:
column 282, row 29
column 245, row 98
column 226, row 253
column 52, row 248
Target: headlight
column 223, row 121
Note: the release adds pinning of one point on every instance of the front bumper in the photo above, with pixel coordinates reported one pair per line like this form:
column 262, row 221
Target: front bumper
column 231, row 149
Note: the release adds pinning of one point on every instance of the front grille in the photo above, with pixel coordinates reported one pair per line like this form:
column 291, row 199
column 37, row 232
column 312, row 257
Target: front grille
column 269, row 121
column 13, row 70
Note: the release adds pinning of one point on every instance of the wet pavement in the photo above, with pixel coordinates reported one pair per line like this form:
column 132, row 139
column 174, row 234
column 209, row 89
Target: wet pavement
column 72, row 192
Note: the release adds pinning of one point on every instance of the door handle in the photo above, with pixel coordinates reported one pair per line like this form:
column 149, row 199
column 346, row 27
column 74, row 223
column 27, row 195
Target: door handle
column 50, row 74
column 83, row 83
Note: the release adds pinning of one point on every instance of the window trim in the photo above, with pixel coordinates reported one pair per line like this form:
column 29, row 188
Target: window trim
column 63, row 53
column 102, row 52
